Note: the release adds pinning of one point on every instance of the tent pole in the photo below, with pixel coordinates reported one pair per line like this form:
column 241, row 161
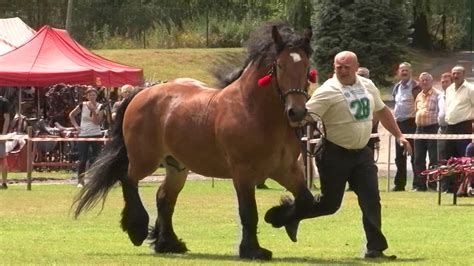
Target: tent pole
column 20, row 120
column 38, row 113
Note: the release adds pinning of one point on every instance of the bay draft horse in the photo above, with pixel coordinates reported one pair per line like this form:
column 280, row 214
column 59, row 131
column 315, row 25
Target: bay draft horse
column 241, row 132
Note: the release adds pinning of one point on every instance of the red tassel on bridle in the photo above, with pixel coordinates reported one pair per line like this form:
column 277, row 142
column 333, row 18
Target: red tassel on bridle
column 265, row 80
column 313, row 75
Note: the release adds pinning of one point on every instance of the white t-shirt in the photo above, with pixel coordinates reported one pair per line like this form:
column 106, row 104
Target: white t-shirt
column 347, row 110
column 88, row 127
column 459, row 103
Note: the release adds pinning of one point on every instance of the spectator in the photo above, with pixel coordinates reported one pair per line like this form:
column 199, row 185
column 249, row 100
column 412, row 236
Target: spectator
column 125, row 90
column 426, row 119
column 470, row 150
column 346, row 104
column 445, row 82
column 404, row 93
column 363, row 72
column 5, row 123
column 374, row 143
column 91, row 117
column 459, row 108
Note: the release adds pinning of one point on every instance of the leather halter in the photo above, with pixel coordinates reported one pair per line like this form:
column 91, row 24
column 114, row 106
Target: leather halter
column 285, row 94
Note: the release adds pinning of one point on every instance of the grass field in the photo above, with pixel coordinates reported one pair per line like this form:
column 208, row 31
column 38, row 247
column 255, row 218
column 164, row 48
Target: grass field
column 36, row 227
column 168, row 64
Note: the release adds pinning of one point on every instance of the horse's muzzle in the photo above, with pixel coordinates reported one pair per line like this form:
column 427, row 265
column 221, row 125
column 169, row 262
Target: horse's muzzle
column 296, row 114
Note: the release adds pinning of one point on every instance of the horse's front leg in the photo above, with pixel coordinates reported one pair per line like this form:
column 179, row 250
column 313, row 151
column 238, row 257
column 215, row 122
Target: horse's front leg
column 249, row 247
column 290, row 212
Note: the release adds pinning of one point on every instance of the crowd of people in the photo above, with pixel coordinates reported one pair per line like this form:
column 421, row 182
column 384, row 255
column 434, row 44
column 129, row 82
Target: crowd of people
column 87, row 118
column 420, row 108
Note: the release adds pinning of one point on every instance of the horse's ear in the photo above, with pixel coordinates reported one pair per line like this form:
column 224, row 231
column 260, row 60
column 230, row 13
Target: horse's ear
column 277, row 39
column 308, row 33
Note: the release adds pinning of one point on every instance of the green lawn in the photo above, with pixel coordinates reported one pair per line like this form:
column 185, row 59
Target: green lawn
column 168, row 64
column 36, row 227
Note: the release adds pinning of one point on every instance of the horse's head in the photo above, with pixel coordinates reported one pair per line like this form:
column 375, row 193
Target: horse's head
column 283, row 55
column 291, row 74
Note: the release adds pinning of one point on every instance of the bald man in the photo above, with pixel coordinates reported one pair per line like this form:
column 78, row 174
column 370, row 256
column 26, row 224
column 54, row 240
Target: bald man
column 346, row 103
column 125, row 90
column 459, row 115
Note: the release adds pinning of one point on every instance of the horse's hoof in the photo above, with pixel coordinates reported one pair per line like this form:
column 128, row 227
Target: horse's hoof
column 277, row 216
column 175, row 246
column 292, row 230
column 138, row 235
column 255, row 254
column 135, row 223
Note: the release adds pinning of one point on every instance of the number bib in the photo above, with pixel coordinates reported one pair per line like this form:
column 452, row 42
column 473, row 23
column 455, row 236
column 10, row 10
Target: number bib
column 358, row 102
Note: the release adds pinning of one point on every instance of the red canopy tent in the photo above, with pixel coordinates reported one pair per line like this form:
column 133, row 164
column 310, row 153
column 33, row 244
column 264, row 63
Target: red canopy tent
column 52, row 56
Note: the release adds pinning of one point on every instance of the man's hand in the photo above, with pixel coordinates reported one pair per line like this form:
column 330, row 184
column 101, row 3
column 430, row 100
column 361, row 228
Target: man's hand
column 407, row 149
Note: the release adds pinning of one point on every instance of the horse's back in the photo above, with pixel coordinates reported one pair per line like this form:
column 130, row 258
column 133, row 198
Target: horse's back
column 175, row 119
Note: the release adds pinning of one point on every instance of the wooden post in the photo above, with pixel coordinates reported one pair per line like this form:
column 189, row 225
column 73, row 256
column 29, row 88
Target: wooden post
column 309, row 163
column 29, row 157
column 439, row 189
column 388, row 161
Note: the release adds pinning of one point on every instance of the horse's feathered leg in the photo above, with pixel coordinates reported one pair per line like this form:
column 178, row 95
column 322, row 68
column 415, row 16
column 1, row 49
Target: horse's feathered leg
column 134, row 216
column 249, row 247
column 290, row 212
column 164, row 239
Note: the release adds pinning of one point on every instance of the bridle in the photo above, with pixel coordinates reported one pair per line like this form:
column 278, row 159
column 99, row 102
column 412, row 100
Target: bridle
column 284, row 95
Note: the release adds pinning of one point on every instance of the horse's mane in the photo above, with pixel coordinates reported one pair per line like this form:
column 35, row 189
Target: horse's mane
column 261, row 49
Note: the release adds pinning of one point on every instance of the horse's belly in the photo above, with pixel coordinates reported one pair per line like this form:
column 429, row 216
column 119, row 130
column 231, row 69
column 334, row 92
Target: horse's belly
column 200, row 160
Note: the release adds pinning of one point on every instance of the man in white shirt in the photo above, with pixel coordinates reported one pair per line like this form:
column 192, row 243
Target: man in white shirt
column 459, row 109
column 346, row 103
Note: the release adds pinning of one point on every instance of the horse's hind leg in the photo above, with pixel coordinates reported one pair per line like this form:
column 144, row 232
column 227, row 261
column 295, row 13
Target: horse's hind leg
column 134, row 216
column 163, row 236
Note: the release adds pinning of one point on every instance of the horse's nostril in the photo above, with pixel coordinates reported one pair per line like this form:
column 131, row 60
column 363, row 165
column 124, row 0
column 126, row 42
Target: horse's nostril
column 296, row 114
column 291, row 113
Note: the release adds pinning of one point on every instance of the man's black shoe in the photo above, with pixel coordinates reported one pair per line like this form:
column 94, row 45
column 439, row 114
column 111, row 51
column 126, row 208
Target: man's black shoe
column 376, row 254
column 4, row 186
column 398, row 189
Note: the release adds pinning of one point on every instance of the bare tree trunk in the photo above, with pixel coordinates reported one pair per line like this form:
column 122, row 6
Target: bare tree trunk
column 70, row 4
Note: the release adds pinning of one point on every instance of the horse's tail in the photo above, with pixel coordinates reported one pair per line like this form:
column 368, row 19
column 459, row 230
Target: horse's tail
column 110, row 167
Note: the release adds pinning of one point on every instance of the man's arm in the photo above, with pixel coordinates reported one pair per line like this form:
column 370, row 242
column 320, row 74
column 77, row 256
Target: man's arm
column 386, row 118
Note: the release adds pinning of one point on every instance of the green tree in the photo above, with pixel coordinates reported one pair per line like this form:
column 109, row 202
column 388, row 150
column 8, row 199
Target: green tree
column 297, row 12
column 439, row 24
column 375, row 31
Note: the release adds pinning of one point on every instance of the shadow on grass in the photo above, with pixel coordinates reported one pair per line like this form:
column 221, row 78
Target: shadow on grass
column 286, row 260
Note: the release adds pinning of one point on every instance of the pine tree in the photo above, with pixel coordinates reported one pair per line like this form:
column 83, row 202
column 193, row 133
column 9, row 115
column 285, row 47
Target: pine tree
column 376, row 32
